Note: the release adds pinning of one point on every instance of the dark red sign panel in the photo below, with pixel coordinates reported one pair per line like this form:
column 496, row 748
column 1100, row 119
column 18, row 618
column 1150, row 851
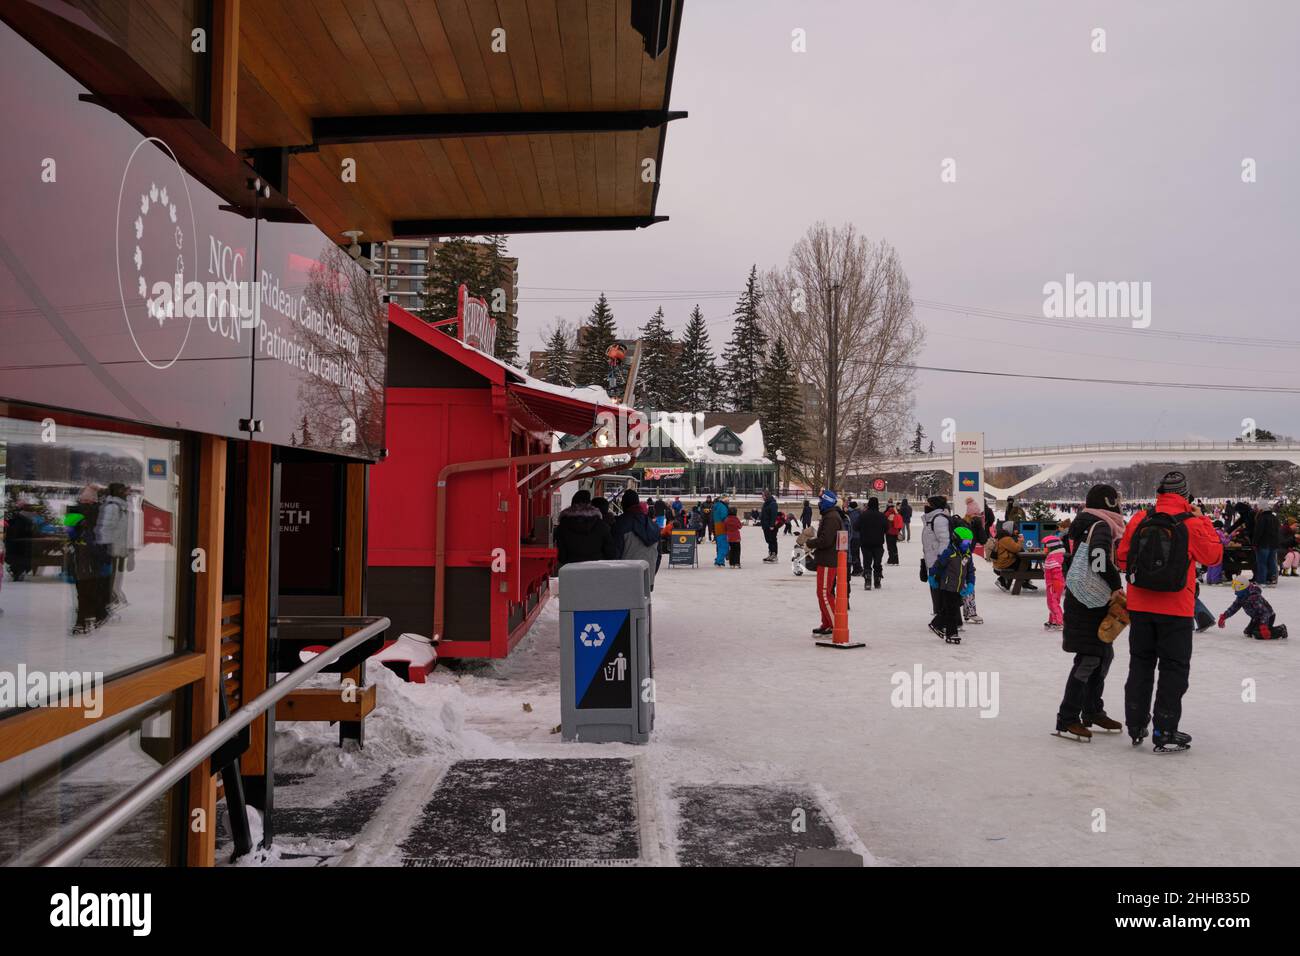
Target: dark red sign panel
column 128, row 288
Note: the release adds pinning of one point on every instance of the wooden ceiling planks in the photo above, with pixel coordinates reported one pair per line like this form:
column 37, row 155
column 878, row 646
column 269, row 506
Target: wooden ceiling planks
column 366, row 57
column 602, row 37
column 468, row 49
column 576, row 46
column 411, row 53
column 501, row 79
column 522, row 56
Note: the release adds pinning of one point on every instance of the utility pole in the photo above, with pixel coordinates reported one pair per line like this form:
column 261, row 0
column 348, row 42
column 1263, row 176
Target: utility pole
column 832, row 383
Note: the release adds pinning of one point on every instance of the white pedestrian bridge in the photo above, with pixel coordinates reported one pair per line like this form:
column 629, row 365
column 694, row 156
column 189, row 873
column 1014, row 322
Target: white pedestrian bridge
column 1056, row 459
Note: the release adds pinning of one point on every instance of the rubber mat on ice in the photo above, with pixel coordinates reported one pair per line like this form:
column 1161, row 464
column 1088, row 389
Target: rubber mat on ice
column 537, row 812
column 743, row 825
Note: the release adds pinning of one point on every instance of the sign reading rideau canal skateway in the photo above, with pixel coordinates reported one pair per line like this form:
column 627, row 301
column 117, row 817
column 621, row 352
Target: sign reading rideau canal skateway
column 134, row 289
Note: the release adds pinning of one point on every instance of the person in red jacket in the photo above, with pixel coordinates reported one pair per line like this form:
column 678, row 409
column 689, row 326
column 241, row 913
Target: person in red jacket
column 1162, row 614
column 732, row 529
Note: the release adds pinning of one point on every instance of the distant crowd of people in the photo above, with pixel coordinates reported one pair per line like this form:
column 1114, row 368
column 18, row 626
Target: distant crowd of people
column 91, row 543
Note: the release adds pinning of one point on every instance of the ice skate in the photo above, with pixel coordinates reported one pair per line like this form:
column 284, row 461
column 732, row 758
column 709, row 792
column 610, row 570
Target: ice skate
column 936, row 630
column 1072, row 730
column 1137, row 735
column 1105, row 723
column 1170, row 742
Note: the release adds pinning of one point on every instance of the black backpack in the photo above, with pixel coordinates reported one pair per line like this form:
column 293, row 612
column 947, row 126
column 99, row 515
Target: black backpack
column 1158, row 557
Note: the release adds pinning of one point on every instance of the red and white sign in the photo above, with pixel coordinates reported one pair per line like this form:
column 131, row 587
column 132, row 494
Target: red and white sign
column 878, row 485
column 478, row 329
column 654, row 474
column 157, row 524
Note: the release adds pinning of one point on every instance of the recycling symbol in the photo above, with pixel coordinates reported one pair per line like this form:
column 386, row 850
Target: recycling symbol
column 592, row 635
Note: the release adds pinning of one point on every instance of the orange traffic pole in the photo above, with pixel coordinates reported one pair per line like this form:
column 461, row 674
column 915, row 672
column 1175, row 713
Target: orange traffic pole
column 840, row 633
column 840, row 628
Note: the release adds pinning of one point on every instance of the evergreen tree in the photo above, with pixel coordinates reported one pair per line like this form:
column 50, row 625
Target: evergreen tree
column 458, row 262
column 1259, row 479
column 497, row 275
column 556, row 364
column 598, row 334
column 699, row 372
column 780, row 406
column 931, row 450
column 918, row 438
column 658, row 377
column 746, row 353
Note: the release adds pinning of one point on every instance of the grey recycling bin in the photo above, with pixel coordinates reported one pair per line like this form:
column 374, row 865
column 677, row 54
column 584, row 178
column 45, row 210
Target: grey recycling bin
column 606, row 686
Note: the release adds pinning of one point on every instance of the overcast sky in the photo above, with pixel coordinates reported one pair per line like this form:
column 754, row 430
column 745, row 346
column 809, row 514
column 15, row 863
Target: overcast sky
column 1117, row 166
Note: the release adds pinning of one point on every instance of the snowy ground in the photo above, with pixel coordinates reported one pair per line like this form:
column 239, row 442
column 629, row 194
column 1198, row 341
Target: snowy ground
column 744, row 696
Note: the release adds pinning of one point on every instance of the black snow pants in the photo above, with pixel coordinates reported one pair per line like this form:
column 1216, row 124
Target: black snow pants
column 1166, row 640
column 871, row 570
column 1084, row 686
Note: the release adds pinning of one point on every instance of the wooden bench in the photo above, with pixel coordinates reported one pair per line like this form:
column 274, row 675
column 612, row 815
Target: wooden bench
column 1028, row 567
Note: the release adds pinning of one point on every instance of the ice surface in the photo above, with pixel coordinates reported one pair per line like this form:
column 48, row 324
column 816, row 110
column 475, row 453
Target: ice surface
column 743, row 697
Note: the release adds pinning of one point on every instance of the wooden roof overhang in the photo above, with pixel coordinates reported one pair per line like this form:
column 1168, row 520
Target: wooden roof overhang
column 451, row 135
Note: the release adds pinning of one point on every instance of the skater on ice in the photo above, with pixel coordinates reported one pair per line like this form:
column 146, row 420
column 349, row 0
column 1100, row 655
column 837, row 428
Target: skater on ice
column 1054, row 579
column 1091, row 581
column 1159, row 553
column 871, row 539
column 936, row 532
column 952, row 568
column 824, row 545
column 1249, row 598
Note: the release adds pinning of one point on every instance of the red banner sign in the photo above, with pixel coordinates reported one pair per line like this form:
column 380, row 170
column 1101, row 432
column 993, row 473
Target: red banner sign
column 157, row 524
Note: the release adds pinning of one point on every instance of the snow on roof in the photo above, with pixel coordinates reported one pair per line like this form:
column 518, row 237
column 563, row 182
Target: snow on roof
column 583, row 393
column 686, row 430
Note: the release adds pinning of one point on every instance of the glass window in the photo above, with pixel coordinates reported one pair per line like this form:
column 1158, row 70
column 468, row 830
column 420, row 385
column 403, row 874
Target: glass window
column 158, row 38
column 91, row 518
column 47, row 794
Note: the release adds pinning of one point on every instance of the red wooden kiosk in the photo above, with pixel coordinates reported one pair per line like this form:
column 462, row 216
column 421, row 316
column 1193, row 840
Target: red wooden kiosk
column 461, row 503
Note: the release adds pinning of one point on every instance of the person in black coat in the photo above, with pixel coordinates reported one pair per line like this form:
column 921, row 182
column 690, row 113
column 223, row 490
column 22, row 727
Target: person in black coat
column 805, row 516
column 1082, row 705
column 871, row 535
column 767, row 520
column 1245, row 520
column 582, row 534
column 1267, row 538
column 851, row 517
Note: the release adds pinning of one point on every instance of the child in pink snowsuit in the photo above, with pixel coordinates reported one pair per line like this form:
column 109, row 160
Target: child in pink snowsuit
column 1054, row 578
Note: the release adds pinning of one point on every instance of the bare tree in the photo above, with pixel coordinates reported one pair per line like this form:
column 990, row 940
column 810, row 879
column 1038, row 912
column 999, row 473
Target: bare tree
column 843, row 306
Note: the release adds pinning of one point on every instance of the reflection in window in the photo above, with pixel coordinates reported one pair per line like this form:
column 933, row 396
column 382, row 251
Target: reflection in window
column 47, row 794
column 158, row 37
column 89, row 546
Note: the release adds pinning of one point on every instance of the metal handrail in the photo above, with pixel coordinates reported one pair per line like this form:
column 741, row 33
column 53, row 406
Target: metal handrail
column 123, row 808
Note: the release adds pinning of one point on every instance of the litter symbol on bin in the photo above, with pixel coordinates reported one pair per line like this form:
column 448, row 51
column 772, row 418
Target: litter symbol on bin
column 617, row 668
column 592, row 641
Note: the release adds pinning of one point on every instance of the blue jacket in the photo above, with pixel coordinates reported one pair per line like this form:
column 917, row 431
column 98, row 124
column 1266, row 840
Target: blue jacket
column 720, row 512
column 767, row 517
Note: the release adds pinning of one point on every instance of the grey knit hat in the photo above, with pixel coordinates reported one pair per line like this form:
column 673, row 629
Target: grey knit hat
column 1175, row 482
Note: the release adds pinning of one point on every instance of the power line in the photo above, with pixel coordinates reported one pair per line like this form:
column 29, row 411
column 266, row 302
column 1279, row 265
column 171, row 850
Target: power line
column 1194, row 386
column 1021, row 318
